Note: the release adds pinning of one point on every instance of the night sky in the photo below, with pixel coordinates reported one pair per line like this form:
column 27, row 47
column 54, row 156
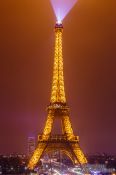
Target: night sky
column 26, row 61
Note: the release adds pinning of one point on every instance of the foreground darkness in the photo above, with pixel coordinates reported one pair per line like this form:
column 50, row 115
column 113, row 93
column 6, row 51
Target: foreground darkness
column 26, row 59
column 15, row 164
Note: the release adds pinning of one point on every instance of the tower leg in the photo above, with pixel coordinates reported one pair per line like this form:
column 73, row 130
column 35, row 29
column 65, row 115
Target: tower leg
column 41, row 146
column 67, row 127
column 74, row 147
column 79, row 154
column 48, row 127
column 36, row 155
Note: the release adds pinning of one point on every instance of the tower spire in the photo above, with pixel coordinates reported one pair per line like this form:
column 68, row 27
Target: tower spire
column 58, row 92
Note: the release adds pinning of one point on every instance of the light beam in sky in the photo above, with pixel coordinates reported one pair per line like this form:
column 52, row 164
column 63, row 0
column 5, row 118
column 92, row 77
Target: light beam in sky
column 62, row 8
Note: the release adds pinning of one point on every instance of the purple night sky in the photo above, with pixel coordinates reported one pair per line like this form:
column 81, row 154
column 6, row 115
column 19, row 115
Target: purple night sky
column 26, row 61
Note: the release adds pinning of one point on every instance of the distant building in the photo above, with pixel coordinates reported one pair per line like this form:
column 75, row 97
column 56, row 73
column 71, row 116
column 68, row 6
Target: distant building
column 31, row 145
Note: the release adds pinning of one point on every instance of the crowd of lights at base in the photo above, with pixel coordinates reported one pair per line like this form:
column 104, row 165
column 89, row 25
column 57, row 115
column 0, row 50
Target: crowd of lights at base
column 58, row 168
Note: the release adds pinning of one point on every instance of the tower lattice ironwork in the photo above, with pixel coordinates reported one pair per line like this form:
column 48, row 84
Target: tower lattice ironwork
column 67, row 142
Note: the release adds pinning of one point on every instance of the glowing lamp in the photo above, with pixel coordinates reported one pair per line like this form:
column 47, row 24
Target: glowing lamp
column 59, row 22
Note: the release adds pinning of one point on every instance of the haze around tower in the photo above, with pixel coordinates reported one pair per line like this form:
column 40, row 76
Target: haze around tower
column 62, row 8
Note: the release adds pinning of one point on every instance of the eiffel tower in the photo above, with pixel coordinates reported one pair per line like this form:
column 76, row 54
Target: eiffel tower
column 67, row 142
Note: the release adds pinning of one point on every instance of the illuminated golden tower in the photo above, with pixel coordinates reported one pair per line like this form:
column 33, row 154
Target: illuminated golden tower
column 67, row 142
